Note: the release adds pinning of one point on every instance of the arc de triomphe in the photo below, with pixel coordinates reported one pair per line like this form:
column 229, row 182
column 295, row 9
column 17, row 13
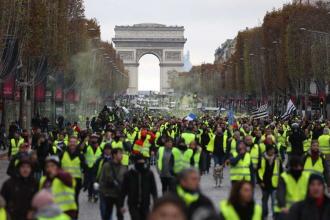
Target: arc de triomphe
column 165, row 42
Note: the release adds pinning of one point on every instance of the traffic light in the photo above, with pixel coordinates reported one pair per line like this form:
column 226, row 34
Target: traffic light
column 322, row 101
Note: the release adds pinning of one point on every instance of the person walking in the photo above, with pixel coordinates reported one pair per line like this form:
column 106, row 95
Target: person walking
column 240, row 204
column 19, row 190
column 268, row 173
column 292, row 187
column 138, row 186
column 61, row 185
column 91, row 152
column 165, row 162
column 111, row 179
column 241, row 166
column 73, row 162
column 314, row 162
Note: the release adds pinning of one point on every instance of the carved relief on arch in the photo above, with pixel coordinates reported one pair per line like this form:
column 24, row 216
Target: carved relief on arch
column 157, row 52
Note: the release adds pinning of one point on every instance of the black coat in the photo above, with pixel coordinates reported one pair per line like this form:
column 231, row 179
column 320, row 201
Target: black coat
column 138, row 187
column 18, row 193
column 307, row 210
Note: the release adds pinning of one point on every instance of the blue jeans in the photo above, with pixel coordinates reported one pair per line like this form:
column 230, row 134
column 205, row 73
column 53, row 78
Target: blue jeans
column 265, row 197
column 106, row 213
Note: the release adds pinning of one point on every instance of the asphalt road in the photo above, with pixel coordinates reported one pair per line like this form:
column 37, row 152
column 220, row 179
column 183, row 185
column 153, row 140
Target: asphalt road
column 90, row 211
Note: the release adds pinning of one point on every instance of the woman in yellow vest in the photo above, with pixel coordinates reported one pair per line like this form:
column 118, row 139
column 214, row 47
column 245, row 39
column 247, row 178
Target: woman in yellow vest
column 240, row 204
column 61, row 184
column 92, row 152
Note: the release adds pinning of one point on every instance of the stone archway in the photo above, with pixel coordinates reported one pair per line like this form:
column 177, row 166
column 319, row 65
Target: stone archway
column 165, row 42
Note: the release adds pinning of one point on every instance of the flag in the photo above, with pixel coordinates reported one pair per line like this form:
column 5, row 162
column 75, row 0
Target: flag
column 191, row 117
column 289, row 110
column 261, row 112
column 231, row 117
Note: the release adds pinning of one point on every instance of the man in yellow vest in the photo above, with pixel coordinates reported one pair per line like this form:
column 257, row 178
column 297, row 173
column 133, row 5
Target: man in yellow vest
column 218, row 146
column 187, row 190
column 118, row 142
column 315, row 163
column 73, row 162
column 292, row 187
column 107, row 138
column 269, row 169
column 165, row 162
column 233, row 144
column 59, row 144
column 15, row 142
column 188, row 135
column 61, row 185
column 91, row 152
column 241, row 167
column 179, row 153
column 324, row 141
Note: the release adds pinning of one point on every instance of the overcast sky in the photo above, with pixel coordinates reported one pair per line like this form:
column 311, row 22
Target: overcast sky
column 208, row 23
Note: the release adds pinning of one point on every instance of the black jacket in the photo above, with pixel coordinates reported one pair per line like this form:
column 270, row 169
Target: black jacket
column 138, row 187
column 307, row 210
column 18, row 193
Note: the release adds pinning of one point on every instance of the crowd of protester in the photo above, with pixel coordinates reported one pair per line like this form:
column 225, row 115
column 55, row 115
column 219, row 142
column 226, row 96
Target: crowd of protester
column 115, row 157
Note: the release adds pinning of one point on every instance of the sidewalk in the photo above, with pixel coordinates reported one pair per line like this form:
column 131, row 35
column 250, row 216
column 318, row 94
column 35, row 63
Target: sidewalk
column 3, row 154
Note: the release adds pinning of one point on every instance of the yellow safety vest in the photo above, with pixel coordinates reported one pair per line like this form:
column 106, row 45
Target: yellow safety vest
column 276, row 171
column 144, row 150
column 59, row 217
column 307, row 144
column 131, row 136
column 254, row 152
column 324, row 141
column 180, row 162
column 210, row 145
column 188, row 137
column 316, row 168
column 3, row 214
column 295, row 190
column 14, row 146
column 229, row 213
column 71, row 166
column 56, row 143
column 241, row 171
column 187, row 157
column 233, row 146
column 188, row 198
column 117, row 145
column 91, row 157
column 63, row 195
